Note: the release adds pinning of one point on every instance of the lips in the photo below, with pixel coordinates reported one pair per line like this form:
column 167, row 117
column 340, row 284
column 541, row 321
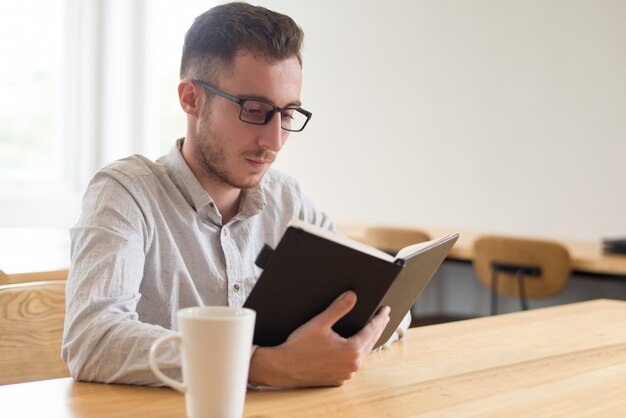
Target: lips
column 258, row 164
column 260, row 158
column 260, row 161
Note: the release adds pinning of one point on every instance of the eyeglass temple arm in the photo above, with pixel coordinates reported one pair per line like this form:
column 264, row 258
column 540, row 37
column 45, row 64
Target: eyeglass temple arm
column 218, row 92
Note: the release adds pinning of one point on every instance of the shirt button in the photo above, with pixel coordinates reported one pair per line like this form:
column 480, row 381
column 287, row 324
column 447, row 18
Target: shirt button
column 236, row 287
column 225, row 232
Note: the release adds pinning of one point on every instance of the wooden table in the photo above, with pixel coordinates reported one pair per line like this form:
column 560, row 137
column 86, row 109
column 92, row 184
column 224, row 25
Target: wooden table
column 587, row 257
column 568, row 360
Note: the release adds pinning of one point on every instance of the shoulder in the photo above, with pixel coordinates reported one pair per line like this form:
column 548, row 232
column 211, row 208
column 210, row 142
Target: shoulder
column 132, row 168
column 284, row 193
column 131, row 178
column 277, row 183
column 133, row 173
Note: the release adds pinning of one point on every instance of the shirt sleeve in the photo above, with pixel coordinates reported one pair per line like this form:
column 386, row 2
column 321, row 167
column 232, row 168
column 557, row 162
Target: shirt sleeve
column 104, row 339
column 311, row 214
column 399, row 332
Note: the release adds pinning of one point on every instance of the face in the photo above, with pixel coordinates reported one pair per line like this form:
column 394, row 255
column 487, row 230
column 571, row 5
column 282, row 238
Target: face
column 235, row 153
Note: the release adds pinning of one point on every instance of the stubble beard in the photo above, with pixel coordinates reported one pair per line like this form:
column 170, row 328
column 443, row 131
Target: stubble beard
column 214, row 159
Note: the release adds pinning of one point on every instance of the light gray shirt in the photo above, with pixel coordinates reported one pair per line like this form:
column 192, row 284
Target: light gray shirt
column 149, row 242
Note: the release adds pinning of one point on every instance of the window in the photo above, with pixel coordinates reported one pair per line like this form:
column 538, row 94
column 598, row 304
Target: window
column 32, row 50
column 83, row 83
column 172, row 20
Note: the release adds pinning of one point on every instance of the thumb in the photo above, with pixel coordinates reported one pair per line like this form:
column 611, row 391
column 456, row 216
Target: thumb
column 339, row 308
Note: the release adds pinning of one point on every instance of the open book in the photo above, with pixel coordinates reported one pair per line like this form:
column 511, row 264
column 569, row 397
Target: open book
column 311, row 267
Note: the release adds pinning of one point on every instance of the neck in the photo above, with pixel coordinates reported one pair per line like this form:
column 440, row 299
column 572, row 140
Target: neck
column 225, row 196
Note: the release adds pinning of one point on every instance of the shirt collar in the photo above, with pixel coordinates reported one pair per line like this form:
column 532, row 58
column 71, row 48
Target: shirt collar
column 253, row 200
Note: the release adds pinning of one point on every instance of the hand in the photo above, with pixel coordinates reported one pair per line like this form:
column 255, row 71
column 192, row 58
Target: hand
column 314, row 354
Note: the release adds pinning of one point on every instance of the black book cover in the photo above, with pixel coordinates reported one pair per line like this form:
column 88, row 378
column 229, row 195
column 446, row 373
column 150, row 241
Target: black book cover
column 307, row 272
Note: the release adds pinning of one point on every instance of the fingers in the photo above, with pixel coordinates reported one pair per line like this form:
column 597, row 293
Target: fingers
column 374, row 328
column 314, row 355
column 339, row 308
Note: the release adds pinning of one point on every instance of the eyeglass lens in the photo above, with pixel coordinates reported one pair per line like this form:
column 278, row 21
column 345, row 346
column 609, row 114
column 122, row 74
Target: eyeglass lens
column 259, row 113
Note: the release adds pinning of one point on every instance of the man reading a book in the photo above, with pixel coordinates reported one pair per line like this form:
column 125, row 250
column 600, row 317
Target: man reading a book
column 184, row 230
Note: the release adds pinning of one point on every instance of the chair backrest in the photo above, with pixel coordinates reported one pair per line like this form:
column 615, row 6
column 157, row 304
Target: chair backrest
column 551, row 260
column 31, row 330
column 392, row 239
column 40, row 276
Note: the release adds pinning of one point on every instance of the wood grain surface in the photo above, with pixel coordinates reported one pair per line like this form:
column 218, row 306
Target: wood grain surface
column 568, row 360
column 31, row 329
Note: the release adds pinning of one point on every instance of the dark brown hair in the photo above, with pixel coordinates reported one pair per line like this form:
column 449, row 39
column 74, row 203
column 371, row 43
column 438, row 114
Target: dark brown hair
column 219, row 33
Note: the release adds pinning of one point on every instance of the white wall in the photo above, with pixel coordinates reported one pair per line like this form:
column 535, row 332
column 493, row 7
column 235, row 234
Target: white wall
column 492, row 115
column 501, row 115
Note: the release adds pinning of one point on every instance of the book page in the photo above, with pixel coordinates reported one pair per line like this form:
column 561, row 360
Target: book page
column 411, row 250
column 340, row 239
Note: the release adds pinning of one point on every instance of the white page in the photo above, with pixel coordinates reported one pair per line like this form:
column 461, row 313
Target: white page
column 419, row 247
column 338, row 238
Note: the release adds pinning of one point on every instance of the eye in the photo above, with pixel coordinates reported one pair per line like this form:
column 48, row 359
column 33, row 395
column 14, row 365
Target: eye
column 288, row 113
column 255, row 112
column 252, row 107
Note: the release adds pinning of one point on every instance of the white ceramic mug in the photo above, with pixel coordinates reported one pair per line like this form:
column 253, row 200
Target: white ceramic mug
column 216, row 342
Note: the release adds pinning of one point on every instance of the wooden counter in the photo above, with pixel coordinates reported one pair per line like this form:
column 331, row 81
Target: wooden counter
column 587, row 257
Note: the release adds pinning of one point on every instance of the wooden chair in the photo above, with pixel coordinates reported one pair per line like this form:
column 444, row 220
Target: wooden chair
column 520, row 267
column 391, row 239
column 39, row 276
column 31, row 329
column 387, row 238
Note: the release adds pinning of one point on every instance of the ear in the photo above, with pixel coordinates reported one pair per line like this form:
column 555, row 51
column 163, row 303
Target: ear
column 190, row 98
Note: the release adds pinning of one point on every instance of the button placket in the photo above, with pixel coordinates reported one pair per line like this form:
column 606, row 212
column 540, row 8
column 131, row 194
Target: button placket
column 233, row 269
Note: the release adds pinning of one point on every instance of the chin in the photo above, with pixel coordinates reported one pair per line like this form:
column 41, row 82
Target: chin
column 251, row 182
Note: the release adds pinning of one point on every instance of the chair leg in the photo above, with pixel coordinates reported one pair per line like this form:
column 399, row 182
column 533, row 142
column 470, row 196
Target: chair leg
column 522, row 290
column 494, row 293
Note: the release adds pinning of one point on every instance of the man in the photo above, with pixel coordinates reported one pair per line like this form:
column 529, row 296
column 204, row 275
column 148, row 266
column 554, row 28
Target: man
column 183, row 231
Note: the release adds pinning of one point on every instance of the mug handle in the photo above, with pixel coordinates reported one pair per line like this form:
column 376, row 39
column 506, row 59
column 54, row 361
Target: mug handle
column 181, row 387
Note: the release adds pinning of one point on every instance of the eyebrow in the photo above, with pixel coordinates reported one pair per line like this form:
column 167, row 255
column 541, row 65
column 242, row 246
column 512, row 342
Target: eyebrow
column 297, row 103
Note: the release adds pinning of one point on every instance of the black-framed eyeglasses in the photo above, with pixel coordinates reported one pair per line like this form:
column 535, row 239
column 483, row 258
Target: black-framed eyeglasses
column 259, row 112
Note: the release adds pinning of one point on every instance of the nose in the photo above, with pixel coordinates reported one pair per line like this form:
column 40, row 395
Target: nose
column 272, row 136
